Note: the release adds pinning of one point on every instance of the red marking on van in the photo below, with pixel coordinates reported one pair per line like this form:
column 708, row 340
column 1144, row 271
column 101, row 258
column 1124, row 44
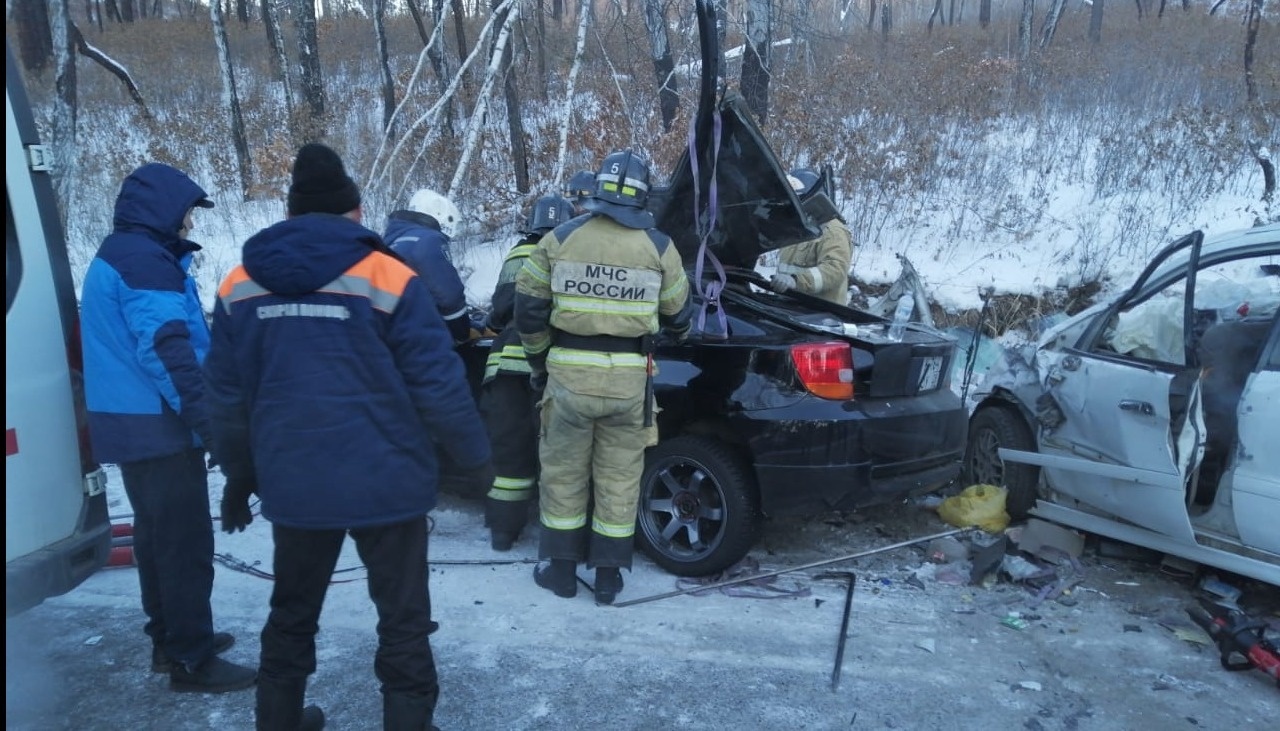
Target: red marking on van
column 10, row 442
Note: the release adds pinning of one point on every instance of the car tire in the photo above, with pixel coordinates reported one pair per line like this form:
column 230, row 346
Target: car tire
column 699, row 510
column 993, row 428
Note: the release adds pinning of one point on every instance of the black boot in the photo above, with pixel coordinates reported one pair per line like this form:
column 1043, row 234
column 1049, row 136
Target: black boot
column 406, row 712
column 560, row 576
column 279, row 706
column 608, row 584
column 501, row 540
column 505, row 520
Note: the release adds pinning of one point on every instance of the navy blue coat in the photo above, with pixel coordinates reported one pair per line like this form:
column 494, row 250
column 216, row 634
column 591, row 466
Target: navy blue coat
column 331, row 377
column 417, row 237
column 141, row 325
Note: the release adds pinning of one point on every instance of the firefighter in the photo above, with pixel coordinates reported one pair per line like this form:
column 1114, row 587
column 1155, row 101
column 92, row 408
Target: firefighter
column 579, row 188
column 506, row 397
column 819, row 267
column 589, row 300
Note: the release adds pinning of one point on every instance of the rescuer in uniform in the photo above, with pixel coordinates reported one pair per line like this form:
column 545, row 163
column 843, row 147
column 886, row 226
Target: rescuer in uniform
column 589, row 300
column 507, row 398
column 819, row 267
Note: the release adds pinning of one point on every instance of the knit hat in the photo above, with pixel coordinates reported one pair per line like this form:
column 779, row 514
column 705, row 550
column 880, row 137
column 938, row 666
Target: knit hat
column 320, row 183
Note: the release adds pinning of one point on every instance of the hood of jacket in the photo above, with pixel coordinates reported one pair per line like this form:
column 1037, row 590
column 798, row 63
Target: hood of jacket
column 302, row 254
column 403, row 220
column 154, row 200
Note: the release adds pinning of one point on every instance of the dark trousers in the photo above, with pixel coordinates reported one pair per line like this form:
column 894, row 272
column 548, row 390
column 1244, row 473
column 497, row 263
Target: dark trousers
column 395, row 557
column 507, row 407
column 173, row 547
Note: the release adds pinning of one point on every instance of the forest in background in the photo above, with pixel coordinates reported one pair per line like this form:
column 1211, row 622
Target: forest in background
column 959, row 131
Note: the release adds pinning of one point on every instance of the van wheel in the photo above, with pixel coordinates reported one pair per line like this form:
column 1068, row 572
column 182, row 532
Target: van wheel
column 993, row 428
column 699, row 512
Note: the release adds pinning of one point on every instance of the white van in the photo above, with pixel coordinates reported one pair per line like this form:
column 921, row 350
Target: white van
column 57, row 531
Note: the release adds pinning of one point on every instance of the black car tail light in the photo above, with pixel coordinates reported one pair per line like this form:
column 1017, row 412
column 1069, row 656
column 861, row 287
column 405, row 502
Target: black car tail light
column 825, row 369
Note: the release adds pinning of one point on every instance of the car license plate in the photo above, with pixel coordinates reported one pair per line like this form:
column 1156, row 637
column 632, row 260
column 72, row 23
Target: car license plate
column 930, row 374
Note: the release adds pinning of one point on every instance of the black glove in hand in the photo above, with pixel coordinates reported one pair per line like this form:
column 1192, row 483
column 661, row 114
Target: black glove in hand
column 236, row 515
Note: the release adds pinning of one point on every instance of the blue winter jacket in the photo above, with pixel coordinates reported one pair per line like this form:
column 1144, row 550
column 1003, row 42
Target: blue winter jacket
column 141, row 325
column 331, row 376
column 417, row 237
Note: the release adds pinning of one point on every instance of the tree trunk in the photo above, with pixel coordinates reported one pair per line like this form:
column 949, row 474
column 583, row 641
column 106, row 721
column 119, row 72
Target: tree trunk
column 384, row 65
column 416, row 14
column 231, row 98
column 279, row 62
column 126, row 10
column 1051, row 19
column 542, row 47
column 515, row 122
column 566, row 115
column 557, row 10
column 1095, row 21
column 476, row 124
column 871, row 15
column 663, row 66
column 65, row 108
column 1217, row 4
column 984, row 13
column 951, row 14
column 242, row 12
column 312, row 80
column 1024, row 29
column 886, row 20
column 460, row 29
column 755, row 58
column 937, row 10
column 113, row 11
column 35, row 37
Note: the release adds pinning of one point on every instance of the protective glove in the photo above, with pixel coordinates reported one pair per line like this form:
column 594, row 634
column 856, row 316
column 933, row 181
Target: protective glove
column 538, row 382
column 235, row 503
column 782, row 283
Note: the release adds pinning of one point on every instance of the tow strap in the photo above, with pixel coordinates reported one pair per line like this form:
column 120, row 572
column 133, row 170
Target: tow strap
column 708, row 291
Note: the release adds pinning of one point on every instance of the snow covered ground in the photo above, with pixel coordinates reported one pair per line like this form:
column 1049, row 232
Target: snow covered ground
column 921, row 653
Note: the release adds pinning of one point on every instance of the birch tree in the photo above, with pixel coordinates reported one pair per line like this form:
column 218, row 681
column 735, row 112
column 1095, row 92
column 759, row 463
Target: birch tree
column 230, row 97
column 511, row 92
column 384, row 66
column 279, row 61
column 64, row 105
column 664, row 66
column 755, row 57
column 312, row 81
column 1051, row 19
column 566, row 114
column 482, row 98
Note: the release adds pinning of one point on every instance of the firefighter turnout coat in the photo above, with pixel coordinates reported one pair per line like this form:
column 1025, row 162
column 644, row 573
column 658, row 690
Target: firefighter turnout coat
column 821, row 266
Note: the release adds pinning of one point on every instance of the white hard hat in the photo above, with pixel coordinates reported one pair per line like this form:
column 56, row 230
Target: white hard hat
column 438, row 207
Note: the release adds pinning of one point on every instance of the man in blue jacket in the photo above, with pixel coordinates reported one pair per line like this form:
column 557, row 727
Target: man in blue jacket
column 330, row 376
column 144, row 335
column 421, row 234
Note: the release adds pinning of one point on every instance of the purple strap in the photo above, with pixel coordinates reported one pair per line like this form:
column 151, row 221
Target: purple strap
column 710, row 293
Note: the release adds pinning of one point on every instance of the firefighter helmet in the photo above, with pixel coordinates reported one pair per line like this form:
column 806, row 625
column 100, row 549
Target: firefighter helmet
column 550, row 211
column 438, row 207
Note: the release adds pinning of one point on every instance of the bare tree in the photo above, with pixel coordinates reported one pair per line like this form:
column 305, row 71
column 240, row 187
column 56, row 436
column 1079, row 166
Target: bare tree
column 1024, row 29
column 1051, row 19
column 937, row 11
column 231, row 98
column 1095, row 21
column 459, row 27
column 279, row 61
column 655, row 19
column 871, row 15
column 1258, row 118
column 388, row 82
column 512, row 7
column 511, row 92
column 35, row 39
column 886, row 19
column 755, row 57
column 984, row 13
column 64, row 105
column 566, row 115
column 242, row 11
column 1217, row 4
column 312, row 81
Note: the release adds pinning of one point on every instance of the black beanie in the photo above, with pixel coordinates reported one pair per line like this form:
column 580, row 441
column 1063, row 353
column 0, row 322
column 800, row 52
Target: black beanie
column 320, row 184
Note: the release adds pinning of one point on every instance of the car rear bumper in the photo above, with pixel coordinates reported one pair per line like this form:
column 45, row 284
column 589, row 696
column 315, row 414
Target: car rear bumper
column 61, row 566
column 873, row 453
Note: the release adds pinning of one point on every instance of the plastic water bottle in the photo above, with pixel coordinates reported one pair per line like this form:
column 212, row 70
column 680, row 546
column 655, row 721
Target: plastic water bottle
column 902, row 315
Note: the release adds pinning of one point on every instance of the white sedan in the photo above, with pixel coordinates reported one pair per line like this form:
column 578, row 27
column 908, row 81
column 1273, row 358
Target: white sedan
column 1154, row 418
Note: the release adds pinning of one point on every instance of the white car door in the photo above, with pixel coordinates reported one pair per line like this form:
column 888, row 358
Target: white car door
column 1116, row 449
column 1256, row 484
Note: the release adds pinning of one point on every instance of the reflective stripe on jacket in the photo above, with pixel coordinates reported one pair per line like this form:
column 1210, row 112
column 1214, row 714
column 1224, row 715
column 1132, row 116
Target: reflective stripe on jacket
column 821, row 266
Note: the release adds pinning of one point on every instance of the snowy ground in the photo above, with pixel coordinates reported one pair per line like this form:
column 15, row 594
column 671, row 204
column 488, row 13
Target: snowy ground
column 921, row 654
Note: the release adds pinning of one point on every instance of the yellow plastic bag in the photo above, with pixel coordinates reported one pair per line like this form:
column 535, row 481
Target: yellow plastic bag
column 978, row 505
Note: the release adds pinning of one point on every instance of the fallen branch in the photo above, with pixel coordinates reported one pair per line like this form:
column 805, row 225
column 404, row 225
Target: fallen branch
column 90, row 52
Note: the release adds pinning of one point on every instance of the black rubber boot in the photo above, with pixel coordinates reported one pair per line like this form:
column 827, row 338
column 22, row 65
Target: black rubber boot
column 279, row 706
column 405, row 712
column 608, row 584
column 501, row 540
column 505, row 520
column 560, row 576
